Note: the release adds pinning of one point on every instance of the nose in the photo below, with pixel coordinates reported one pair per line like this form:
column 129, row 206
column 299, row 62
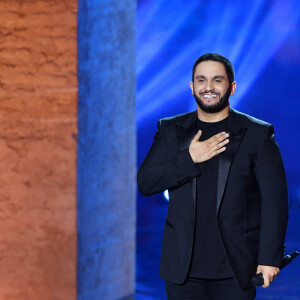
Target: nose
column 209, row 86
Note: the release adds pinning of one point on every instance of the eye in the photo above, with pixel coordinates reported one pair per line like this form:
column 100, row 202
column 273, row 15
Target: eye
column 218, row 80
column 201, row 80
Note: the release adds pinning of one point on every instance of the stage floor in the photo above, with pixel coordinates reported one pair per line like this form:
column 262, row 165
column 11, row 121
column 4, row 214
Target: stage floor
column 151, row 214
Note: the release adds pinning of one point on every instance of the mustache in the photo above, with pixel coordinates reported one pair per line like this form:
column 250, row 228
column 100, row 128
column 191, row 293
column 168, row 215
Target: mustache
column 209, row 92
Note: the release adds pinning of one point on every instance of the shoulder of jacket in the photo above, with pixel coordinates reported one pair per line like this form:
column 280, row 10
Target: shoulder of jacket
column 178, row 119
column 253, row 122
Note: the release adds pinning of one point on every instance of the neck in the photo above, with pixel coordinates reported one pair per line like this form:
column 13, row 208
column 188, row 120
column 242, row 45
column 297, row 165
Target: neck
column 215, row 117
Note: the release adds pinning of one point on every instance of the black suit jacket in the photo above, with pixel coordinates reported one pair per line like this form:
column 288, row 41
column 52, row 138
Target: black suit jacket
column 252, row 205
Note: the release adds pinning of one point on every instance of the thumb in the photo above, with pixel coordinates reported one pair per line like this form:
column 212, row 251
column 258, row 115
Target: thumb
column 197, row 136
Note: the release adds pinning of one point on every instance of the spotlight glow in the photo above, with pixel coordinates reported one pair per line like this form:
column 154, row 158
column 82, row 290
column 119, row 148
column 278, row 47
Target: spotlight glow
column 166, row 195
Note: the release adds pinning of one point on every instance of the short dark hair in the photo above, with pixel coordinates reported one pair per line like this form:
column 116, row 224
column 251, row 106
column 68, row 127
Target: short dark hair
column 219, row 58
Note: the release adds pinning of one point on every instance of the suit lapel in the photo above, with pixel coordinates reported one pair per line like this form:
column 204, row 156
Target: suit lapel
column 185, row 135
column 236, row 135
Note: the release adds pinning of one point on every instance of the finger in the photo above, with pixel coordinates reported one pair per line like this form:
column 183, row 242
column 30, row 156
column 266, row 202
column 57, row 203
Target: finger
column 219, row 145
column 218, row 138
column 197, row 136
column 266, row 281
column 275, row 275
column 218, row 151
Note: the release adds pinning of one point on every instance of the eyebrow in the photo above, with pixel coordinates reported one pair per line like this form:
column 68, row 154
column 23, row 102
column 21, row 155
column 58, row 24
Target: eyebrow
column 215, row 77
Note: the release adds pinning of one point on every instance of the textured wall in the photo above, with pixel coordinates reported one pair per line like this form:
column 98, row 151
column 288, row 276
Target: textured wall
column 106, row 149
column 38, row 92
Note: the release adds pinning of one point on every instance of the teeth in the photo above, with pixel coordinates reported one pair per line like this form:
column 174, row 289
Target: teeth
column 209, row 96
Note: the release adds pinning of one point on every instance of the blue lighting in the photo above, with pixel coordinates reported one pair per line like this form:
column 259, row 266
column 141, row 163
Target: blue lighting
column 172, row 34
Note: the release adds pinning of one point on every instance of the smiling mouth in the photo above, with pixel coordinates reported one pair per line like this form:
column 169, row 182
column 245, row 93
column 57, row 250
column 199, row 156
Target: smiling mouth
column 209, row 96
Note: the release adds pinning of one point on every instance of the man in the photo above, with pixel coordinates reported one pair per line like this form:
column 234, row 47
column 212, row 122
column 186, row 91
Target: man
column 228, row 210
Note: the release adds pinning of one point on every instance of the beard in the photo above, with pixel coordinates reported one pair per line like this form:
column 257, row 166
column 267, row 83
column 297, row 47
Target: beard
column 214, row 108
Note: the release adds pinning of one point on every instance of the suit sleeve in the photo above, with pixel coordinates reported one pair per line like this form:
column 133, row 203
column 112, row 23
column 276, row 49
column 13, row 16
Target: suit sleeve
column 165, row 166
column 271, row 178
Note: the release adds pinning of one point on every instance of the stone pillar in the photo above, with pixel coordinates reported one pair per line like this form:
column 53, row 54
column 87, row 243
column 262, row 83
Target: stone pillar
column 106, row 149
column 38, row 123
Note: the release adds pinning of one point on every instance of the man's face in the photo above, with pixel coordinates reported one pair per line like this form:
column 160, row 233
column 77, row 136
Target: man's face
column 211, row 87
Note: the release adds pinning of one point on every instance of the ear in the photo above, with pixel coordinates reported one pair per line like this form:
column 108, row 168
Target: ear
column 233, row 86
column 192, row 87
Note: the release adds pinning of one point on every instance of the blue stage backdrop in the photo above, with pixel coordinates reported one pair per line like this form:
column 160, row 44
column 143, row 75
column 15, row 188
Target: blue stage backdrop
column 262, row 39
